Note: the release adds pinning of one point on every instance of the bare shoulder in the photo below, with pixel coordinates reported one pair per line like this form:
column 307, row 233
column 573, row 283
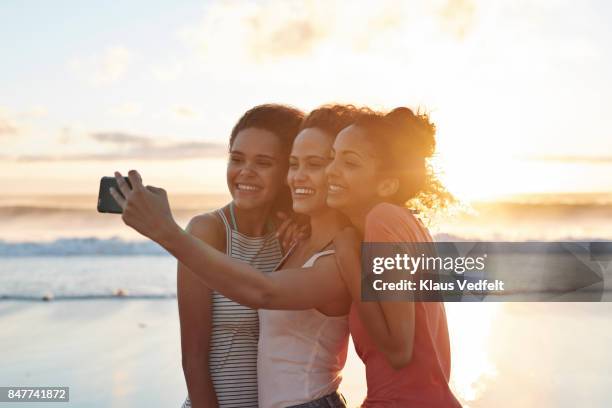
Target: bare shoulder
column 385, row 212
column 389, row 214
column 209, row 228
column 348, row 236
column 204, row 222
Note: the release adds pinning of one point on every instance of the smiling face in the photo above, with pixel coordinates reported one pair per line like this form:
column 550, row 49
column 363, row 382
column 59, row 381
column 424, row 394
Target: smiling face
column 306, row 177
column 256, row 169
column 352, row 176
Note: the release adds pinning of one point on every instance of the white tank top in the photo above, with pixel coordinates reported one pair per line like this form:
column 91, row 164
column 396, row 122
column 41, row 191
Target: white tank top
column 301, row 353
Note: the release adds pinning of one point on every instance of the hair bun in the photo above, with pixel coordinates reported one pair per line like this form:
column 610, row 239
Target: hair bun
column 417, row 127
column 399, row 115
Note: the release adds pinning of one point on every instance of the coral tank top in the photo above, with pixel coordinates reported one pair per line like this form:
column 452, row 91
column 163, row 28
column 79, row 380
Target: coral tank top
column 423, row 382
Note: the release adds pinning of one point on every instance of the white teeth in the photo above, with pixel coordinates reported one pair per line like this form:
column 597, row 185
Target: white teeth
column 334, row 187
column 247, row 187
column 305, row 191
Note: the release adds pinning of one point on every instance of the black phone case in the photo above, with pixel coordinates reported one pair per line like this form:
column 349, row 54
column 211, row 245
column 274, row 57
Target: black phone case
column 106, row 202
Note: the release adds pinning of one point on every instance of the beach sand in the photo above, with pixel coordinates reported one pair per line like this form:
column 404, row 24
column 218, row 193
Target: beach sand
column 109, row 352
column 119, row 353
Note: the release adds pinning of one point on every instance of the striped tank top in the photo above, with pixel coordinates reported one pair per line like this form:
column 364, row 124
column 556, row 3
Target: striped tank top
column 235, row 328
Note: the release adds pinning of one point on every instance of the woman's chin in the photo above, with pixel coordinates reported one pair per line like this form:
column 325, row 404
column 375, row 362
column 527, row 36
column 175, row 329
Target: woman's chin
column 298, row 209
column 248, row 203
column 307, row 208
column 336, row 202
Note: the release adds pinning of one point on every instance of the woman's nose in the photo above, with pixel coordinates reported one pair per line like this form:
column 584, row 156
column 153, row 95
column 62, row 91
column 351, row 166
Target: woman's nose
column 299, row 175
column 330, row 170
column 248, row 170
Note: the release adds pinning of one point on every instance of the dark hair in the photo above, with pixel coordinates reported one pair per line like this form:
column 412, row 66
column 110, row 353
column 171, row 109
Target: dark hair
column 282, row 120
column 331, row 119
column 405, row 140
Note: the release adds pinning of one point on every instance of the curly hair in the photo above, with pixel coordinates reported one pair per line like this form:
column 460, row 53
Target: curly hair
column 404, row 141
column 331, row 118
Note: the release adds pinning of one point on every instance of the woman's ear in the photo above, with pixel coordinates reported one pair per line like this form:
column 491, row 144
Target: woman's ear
column 387, row 187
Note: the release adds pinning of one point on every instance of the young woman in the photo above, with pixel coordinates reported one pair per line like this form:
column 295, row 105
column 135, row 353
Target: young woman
column 219, row 336
column 302, row 351
column 379, row 165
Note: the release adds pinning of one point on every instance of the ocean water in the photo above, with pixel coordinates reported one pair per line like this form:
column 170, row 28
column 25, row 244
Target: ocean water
column 136, row 276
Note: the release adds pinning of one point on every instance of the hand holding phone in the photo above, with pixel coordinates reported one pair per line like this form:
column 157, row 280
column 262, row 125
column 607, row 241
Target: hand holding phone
column 147, row 209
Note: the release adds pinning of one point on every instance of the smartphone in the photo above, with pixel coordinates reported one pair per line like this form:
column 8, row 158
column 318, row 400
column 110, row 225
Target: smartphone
column 106, row 202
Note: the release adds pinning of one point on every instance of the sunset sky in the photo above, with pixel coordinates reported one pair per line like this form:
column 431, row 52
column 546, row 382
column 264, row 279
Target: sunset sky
column 520, row 90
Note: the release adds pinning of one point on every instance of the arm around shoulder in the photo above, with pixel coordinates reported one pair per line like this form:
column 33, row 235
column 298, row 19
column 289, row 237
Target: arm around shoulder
column 389, row 324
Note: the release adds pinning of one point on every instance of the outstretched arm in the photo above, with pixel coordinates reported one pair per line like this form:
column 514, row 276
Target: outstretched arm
column 294, row 289
column 389, row 324
column 147, row 211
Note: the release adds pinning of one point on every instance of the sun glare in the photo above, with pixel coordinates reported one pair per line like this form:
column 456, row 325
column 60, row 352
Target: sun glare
column 470, row 329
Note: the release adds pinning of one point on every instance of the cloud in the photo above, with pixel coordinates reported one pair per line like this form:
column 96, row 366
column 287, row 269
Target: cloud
column 256, row 31
column 292, row 36
column 7, row 128
column 128, row 146
column 7, row 125
column 104, row 68
column 458, row 17
column 20, row 123
column 265, row 30
column 122, row 138
column 178, row 151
